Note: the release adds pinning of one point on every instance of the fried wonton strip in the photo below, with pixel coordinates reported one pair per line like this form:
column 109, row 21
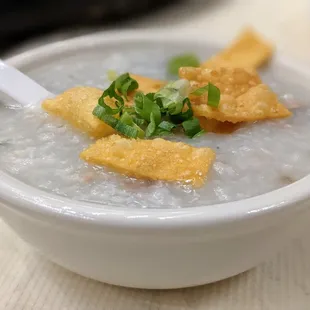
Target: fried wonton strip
column 243, row 96
column 230, row 81
column 156, row 159
column 248, row 50
column 148, row 85
column 258, row 103
column 212, row 125
column 76, row 106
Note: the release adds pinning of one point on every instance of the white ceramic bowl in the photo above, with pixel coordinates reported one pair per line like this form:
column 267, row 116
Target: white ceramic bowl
column 150, row 248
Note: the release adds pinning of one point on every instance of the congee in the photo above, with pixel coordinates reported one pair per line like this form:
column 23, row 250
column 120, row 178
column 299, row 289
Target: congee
column 217, row 132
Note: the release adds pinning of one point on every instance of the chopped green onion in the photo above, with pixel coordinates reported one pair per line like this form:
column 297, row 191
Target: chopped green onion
column 150, row 129
column 130, row 130
column 191, row 127
column 101, row 113
column 112, row 75
column 138, row 121
column 150, row 96
column 200, row 91
column 198, row 134
column 126, row 130
column 214, row 96
column 129, row 110
column 144, row 107
column 167, row 126
column 125, row 84
column 189, row 112
column 156, row 113
column 172, row 96
column 128, row 120
column 184, row 116
column 185, row 60
column 161, row 132
column 107, row 109
column 110, row 92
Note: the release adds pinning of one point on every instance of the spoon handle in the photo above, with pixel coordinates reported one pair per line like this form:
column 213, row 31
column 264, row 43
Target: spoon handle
column 20, row 87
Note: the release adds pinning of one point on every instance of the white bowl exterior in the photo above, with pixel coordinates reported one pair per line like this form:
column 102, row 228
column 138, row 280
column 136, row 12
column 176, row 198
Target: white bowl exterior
column 153, row 260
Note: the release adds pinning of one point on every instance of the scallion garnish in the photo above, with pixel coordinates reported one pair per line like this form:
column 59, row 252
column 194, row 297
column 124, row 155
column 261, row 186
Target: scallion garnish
column 111, row 93
column 152, row 114
column 129, row 121
column 144, row 107
column 184, row 116
column 172, row 96
column 185, row 60
column 139, row 121
column 161, row 132
column 167, row 126
column 125, row 84
column 151, row 127
column 214, row 96
column 125, row 125
column 191, row 127
column 198, row 134
column 104, row 115
column 200, row 91
column 112, row 75
column 120, row 125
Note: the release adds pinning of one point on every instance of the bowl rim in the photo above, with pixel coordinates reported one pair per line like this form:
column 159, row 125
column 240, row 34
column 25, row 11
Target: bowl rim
column 26, row 198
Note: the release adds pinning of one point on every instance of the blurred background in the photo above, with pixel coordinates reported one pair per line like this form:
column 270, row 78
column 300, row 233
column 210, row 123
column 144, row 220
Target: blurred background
column 28, row 23
column 23, row 19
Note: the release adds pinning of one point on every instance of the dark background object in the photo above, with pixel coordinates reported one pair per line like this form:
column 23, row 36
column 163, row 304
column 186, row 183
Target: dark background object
column 22, row 19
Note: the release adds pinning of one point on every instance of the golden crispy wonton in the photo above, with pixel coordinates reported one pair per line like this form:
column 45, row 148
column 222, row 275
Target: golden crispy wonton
column 148, row 85
column 76, row 105
column 243, row 96
column 230, row 81
column 259, row 103
column 156, row 159
column 249, row 50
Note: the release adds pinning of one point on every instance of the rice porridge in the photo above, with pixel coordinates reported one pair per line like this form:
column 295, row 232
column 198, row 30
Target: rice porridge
column 43, row 151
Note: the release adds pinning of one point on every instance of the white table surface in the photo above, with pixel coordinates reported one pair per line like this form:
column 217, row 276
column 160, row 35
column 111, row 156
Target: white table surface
column 29, row 282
